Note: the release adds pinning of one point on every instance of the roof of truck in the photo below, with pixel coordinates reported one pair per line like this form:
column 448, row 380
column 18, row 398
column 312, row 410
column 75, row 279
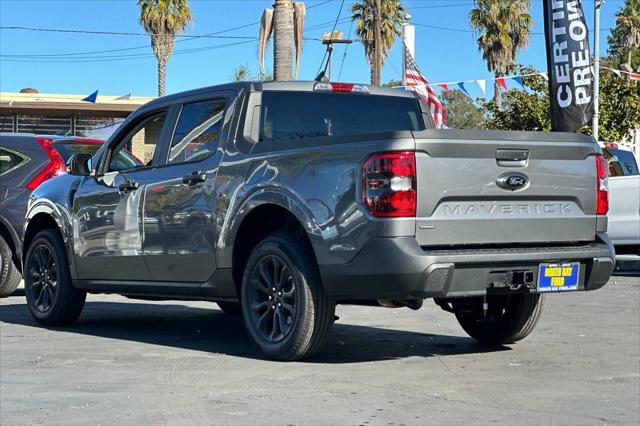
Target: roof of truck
column 295, row 86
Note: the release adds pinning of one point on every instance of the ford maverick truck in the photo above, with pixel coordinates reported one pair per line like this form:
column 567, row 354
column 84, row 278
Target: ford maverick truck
column 279, row 200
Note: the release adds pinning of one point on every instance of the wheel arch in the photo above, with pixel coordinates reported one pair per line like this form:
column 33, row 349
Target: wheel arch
column 40, row 217
column 258, row 221
column 13, row 240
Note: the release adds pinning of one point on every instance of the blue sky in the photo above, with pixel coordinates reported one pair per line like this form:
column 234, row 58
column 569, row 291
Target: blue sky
column 442, row 54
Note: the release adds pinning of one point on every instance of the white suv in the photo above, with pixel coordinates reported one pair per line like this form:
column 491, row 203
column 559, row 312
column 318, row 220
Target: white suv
column 624, row 198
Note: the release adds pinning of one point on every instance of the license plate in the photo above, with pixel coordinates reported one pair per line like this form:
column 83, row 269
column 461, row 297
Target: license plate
column 558, row 276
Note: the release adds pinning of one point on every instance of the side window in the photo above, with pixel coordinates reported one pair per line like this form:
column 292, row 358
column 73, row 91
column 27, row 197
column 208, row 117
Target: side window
column 621, row 163
column 138, row 147
column 10, row 160
column 197, row 131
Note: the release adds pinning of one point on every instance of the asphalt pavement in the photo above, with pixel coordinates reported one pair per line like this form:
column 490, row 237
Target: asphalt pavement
column 130, row 362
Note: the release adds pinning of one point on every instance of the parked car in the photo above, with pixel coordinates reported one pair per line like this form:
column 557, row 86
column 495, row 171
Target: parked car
column 282, row 199
column 27, row 160
column 624, row 194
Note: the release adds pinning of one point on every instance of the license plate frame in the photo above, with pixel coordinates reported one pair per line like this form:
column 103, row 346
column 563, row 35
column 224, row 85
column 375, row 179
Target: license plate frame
column 558, row 277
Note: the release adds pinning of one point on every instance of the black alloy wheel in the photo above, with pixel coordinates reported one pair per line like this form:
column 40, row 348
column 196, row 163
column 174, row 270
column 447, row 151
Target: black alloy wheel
column 273, row 298
column 43, row 278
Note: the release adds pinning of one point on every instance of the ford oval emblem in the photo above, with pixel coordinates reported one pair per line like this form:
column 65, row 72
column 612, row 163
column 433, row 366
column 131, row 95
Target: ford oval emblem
column 512, row 181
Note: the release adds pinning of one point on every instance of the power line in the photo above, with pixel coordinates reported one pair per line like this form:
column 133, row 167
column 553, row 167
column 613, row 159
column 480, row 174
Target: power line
column 346, row 47
column 332, row 30
column 146, row 46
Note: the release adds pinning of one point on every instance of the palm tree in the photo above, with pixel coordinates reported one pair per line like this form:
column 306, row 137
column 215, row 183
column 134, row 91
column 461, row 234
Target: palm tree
column 503, row 28
column 286, row 22
column 626, row 33
column 392, row 16
column 163, row 19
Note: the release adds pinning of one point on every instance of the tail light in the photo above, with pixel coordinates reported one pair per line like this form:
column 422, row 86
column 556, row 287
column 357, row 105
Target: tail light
column 602, row 166
column 54, row 167
column 341, row 87
column 389, row 184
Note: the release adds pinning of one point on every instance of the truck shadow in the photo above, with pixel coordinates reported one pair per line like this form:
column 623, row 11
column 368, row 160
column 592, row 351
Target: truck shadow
column 210, row 330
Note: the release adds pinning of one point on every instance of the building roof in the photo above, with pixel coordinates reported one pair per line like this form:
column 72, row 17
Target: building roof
column 58, row 104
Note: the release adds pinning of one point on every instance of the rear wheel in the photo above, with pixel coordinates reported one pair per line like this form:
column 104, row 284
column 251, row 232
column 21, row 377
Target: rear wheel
column 285, row 309
column 508, row 318
column 9, row 273
column 52, row 298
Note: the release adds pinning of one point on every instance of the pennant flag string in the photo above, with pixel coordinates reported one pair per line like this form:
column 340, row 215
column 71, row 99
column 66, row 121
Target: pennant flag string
column 91, row 98
column 461, row 86
column 502, row 83
column 518, row 80
column 445, row 86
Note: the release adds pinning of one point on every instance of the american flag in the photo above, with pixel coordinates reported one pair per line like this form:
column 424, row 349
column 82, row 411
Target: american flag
column 417, row 82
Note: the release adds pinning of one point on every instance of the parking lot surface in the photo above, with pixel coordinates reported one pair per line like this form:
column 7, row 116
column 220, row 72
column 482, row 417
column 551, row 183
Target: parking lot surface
column 134, row 362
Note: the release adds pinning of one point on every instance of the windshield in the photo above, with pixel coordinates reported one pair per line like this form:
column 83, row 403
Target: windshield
column 299, row 115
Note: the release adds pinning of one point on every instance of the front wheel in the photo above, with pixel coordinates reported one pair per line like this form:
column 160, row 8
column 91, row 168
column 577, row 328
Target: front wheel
column 285, row 309
column 507, row 319
column 52, row 298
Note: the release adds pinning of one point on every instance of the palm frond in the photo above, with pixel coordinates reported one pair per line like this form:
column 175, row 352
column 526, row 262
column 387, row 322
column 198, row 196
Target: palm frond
column 299, row 13
column 266, row 28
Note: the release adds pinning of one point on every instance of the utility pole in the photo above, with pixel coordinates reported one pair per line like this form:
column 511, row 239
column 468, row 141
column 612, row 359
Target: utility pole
column 596, row 68
column 377, row 69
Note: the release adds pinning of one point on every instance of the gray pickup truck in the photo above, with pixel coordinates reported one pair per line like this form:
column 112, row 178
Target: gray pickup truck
column 280, row 200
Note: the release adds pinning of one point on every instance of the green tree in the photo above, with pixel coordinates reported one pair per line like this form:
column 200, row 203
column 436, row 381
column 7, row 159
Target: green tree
column 625, row 36
column 286, row 22
column 392, row 16
column 392, row 83
column 529, row 109
column 243, row 73
column 503, row 28
column 462, row 111
column 163, row 19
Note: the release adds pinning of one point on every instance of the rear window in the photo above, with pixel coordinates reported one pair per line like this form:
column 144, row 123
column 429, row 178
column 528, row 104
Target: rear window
column 621, row 163
column 301, row 115
column 67, row 149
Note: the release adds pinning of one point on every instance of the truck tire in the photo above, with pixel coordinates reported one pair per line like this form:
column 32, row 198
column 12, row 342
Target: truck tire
column 508, row 318
column 51, row 296
column 285, row 310
column 231, row 308
column 9, row 272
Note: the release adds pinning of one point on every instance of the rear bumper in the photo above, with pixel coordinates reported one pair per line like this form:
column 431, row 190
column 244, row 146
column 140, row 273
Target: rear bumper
column 398, row 268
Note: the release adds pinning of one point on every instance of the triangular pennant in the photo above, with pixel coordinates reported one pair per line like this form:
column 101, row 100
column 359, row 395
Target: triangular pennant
column 461, row 86
column 634, row 76
column 544, row 75
column 482, row 84
column 502, row 83
column 445, row 87
column 92, row 97
column 518, row 80
column 616, row 72
column 124, row 97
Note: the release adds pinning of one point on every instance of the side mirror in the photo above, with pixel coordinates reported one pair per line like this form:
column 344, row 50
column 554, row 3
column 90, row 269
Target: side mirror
column 79, row 165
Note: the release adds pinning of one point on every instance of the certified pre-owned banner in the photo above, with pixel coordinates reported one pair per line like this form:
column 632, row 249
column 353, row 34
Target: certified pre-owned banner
column 569, row 64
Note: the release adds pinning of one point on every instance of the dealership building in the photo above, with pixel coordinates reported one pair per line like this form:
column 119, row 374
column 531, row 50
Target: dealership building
column 29, row 111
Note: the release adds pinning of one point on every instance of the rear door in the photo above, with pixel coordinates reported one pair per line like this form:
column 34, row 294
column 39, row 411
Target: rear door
column 505, row 187
column 179, row 227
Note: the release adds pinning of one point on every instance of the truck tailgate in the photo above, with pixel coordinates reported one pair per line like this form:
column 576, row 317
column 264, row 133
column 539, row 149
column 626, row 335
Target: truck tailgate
column 504, row 187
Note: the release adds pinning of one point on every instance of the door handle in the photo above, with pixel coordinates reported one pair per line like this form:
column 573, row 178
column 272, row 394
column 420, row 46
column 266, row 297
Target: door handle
column 512, row 157
column 194, row 177
column 128, row 186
